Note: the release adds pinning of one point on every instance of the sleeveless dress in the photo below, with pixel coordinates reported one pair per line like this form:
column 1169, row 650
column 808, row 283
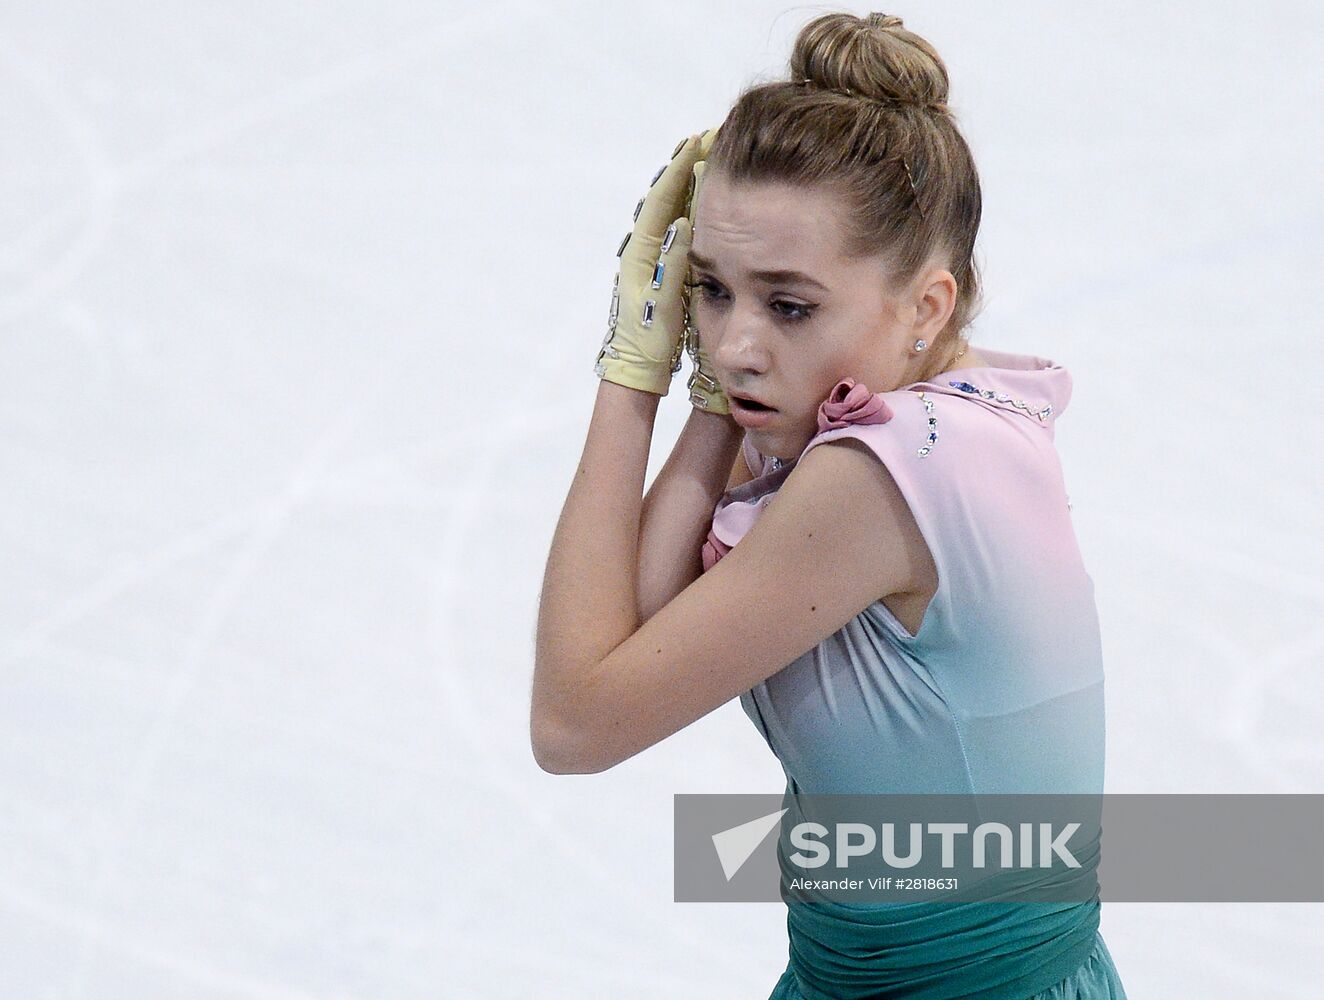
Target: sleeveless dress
column 1000, row 690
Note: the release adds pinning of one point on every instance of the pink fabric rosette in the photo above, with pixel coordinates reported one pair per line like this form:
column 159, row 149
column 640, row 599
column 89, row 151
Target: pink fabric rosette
column 851, row 402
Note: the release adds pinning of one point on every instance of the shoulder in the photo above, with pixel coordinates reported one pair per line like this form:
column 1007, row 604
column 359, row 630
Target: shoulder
column 844, row 516
column 926, row 438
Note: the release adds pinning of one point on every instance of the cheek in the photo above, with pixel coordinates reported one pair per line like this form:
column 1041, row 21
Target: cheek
column 702, row 312
column 847, row 357
column 708, row 323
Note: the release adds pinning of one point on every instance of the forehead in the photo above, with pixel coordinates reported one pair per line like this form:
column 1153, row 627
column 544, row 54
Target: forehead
column 766, row 223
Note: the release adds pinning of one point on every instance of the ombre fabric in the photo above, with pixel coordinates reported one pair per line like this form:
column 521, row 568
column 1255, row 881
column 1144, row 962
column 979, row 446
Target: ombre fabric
column 1094, row 979
column 1000, row 691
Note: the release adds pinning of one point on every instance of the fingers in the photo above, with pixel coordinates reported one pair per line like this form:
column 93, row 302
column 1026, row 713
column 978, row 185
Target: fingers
column 670, row 296
column 680, row 243
column 697, row 184
column 696, row 181
column 665, row 198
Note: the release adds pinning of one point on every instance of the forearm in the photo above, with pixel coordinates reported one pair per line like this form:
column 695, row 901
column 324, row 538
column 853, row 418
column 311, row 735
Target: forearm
column 588, row 604
column 678, row 510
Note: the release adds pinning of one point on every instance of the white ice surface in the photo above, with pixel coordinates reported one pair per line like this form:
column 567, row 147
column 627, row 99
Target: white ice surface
column 298, row 308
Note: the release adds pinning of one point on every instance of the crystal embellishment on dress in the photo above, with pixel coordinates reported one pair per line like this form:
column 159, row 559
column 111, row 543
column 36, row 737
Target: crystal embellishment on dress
column 776, row 463
column 658, row 270
column 927, row 447
column 1002, row 397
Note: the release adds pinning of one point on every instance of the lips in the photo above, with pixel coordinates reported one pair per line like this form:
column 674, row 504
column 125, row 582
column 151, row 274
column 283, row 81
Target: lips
column 750, row 403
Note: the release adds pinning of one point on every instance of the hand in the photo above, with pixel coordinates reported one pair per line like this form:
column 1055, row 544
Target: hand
column 646, row 326
column 705, row 390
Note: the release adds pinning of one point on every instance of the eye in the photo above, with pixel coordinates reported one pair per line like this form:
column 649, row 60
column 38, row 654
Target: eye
column 795, row 311
column 709, row 289
column 798, row 311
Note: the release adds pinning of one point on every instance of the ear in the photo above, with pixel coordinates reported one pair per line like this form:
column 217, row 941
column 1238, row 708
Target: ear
column 937, row 300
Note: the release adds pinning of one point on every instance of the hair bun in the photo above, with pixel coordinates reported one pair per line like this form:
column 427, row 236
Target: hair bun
column 869, row 57
column 877, row 20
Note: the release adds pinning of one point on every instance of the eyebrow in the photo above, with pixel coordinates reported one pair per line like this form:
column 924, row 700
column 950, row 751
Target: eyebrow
column 775, row 277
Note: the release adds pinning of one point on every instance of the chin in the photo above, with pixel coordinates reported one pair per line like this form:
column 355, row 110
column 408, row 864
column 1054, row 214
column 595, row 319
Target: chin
column 771, row 445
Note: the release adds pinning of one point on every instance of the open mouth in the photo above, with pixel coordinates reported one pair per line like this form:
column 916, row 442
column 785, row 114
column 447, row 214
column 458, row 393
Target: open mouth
column 750, row 404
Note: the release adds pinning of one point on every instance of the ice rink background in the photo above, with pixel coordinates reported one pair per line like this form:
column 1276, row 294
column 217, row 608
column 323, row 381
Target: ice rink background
column 298, row 309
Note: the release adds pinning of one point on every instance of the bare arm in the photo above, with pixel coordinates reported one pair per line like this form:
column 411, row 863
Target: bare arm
column 840, row 534
column 678, row 510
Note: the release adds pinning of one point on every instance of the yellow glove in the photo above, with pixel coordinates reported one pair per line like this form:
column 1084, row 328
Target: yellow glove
column 646, row 326
column 705, row 390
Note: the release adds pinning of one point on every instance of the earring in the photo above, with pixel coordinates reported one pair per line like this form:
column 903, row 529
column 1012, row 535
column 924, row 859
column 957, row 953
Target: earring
column 920, row 345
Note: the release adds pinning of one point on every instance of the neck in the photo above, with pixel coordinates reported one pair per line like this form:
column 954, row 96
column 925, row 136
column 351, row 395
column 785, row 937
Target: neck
column 970, row 359
column 955, row 359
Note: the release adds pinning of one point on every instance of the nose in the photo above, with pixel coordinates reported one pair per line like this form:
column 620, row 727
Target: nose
column 738, row 348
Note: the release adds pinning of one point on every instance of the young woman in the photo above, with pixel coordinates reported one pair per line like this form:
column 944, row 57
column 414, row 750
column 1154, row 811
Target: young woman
column 912, row 614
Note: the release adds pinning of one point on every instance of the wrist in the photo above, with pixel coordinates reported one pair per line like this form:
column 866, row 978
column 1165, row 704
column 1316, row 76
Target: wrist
column 655, row 381
column 715, row 428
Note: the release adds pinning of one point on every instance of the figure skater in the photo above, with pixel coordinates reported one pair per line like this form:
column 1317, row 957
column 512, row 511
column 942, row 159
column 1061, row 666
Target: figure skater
column 914, row 616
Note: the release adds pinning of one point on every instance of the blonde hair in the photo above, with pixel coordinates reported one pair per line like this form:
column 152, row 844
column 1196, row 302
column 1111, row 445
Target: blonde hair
column 865, row 114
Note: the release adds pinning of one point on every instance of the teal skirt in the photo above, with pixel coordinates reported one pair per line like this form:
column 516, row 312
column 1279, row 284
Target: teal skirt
column 1096, row 979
